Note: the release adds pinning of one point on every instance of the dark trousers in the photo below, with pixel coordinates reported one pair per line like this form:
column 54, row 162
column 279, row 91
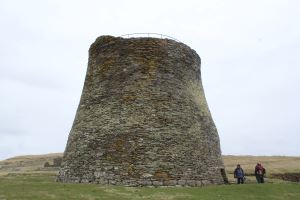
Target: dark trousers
column 240, row 180
column 260, row 178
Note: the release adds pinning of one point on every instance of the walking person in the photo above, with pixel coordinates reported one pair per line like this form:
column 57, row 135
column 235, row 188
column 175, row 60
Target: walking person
column 260, row 172
column 239, row 174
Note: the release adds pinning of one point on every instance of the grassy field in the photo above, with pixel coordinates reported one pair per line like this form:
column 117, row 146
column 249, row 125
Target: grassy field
column 24, row 177
column 26, row 163
column 41, row 186
column 273, row 164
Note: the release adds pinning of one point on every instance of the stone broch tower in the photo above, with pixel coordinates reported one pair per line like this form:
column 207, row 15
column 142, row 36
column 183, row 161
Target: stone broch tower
column 143, row 118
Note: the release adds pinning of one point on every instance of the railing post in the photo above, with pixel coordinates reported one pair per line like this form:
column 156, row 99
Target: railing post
column 157, row 35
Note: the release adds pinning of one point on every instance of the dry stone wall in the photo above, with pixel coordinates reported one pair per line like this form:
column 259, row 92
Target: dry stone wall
column 143, row 118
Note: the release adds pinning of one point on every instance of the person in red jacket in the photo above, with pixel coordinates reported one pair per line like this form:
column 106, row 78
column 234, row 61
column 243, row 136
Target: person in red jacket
column 260, row 172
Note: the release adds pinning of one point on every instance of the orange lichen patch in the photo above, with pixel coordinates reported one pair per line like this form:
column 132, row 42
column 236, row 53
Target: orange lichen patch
column 152, row 67
column 130, row 170
column 162, row 42
column 105, row 65
column 108, row 157
column 119, row 145
column 129, row 98
column 100, row 41
column 149, row 67
column 161, row 175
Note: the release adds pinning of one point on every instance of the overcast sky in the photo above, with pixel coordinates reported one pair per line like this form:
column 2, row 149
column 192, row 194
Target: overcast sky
column 250, row 66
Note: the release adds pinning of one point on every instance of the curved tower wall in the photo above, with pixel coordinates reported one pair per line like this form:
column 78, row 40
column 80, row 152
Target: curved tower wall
column 143, row 118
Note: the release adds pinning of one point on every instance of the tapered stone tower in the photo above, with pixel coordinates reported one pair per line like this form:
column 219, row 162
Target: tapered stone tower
column 143, row 118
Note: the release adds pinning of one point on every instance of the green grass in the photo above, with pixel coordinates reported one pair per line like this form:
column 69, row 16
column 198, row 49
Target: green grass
column 24, row 177
column 41, row 186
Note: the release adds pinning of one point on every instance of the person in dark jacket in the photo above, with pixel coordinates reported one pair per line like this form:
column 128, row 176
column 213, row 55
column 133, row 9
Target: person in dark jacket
column 239, row 174
column 260, row 172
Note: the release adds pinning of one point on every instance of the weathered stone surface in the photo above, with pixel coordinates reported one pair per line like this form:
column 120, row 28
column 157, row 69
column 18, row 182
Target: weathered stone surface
column 170, row 182
column 142, row 118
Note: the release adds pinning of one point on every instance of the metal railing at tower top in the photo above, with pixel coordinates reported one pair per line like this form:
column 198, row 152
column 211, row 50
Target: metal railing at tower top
column 155, row 35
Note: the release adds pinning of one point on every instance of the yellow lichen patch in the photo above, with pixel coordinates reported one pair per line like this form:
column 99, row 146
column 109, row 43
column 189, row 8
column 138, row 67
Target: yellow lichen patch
column 105, row 65
column 130, row 169
column 197, row 94
column 129, row 98
column 148, row 66
column 161, row 175
column 99, row 43
column 119, row 145
column 152, row 67
column 108, row 157
column 163, row 42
